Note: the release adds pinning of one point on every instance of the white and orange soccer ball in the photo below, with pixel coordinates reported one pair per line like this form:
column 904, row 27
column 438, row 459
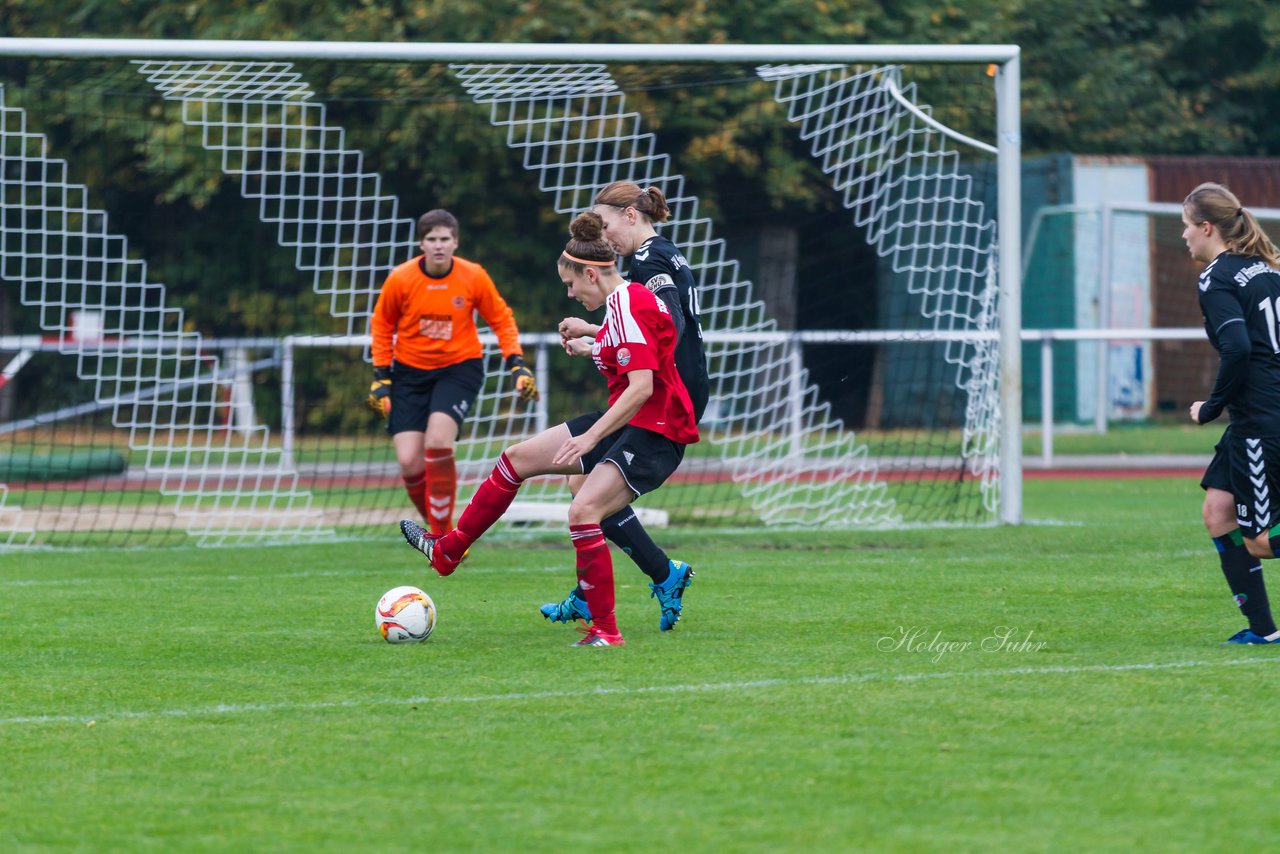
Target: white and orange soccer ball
column 405, row 615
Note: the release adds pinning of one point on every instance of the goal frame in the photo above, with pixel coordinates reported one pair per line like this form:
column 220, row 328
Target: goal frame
column 1005, row 60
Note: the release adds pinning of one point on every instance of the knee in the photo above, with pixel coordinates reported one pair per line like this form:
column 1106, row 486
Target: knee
column 1260, row 547
column 515, row 455
column 582, row 513
column 412, row 467
column 1218, row 510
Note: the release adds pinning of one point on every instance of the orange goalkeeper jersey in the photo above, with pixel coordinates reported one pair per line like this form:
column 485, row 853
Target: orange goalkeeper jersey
column 430, row 323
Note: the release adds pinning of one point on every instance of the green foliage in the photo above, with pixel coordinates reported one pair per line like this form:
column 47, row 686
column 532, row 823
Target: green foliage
column 1110, row 76
column 1100, row 76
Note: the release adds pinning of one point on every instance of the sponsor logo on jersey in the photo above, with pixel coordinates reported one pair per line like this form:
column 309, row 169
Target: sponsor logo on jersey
column 660, row 281
column 624, row 357
column 1242, row 278
column 596, row 346
column 438, row 326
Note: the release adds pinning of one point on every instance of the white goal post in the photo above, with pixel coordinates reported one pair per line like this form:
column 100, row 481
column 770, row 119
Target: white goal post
column 822, row 87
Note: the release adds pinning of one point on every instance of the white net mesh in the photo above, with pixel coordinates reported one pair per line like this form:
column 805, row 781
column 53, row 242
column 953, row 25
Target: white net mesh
column 793, row 460
column 772, row 440
column 345, row 230
column 161, row 388
column 571, row 124
column 907, row 187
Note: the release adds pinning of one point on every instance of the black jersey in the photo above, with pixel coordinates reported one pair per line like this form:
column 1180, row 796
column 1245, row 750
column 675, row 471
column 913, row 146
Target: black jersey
column 660, row 267
column 1240, row 299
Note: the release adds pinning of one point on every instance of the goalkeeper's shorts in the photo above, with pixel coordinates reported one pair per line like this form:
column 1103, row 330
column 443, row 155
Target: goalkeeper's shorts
column 416, row 393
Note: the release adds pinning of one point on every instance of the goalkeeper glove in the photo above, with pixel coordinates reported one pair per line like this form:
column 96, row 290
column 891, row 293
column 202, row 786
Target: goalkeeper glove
column 526, row 385
column 380, row 391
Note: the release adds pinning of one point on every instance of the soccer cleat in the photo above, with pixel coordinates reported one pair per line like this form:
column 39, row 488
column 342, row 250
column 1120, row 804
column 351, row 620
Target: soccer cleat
column 572, row 609
column 1250, row 638
column 670, row 594
column 594, row 637
column 416, row 536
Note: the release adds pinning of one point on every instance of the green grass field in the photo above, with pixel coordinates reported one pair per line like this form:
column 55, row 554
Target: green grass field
column 1059, row 686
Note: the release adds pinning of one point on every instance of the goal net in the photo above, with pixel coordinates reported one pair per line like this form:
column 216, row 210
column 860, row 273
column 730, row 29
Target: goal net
column 192, row 248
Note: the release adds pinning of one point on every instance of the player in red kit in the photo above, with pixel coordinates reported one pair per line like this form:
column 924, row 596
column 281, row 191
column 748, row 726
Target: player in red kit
column 427, row 364
column 627, row 450
column 629, row 214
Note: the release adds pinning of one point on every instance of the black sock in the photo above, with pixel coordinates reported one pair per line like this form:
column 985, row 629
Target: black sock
column 625, row 531
column 1243, row 572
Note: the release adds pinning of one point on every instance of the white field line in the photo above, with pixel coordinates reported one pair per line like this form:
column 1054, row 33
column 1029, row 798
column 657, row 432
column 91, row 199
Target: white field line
column 695, row 688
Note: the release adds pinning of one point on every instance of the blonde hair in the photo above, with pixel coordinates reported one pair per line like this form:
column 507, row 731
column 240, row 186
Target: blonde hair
column 1218, row 206
column 627, row 194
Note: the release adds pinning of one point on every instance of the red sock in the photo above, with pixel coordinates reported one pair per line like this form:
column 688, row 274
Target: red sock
column 417, row 489
column 486, row 507
column 595, row 575
column 442, row 479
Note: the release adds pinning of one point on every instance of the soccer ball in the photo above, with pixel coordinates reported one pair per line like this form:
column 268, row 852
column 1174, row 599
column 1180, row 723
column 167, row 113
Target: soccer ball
column 405, row 615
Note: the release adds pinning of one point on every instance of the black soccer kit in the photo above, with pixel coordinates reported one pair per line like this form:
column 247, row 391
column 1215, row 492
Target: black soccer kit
column 1240, row 300
column 660, row 267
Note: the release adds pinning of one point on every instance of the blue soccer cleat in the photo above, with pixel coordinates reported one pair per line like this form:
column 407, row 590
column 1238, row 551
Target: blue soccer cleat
column 572, row 609
column 1247, row 637
column 670, row 594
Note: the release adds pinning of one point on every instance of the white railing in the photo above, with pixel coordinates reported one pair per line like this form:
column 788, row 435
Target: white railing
column 1103, row 337
column 283, row 350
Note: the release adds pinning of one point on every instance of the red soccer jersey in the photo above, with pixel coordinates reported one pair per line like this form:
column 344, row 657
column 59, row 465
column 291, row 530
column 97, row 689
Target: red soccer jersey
column 638, row 334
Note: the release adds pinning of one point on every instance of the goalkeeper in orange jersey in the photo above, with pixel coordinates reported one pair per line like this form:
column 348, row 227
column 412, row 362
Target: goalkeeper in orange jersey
column 427, row 360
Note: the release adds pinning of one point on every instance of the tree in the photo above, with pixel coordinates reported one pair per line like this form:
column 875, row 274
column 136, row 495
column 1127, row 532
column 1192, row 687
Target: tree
column 1099, row 76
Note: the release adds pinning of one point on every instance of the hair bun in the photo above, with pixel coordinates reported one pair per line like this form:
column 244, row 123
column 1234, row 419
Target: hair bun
column 587, row 227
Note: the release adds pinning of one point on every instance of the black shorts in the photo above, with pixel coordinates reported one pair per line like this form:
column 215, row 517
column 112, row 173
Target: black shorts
column 645, row 458
column 1217, row 475
column 1253, row 467
column 415, row 394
